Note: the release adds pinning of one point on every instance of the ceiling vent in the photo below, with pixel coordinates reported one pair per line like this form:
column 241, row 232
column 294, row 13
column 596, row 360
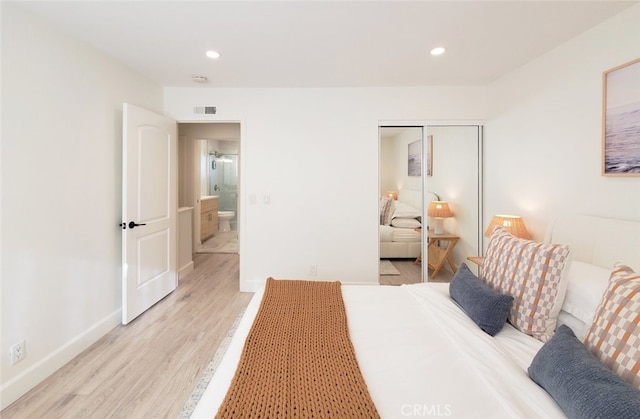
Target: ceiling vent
column 198, row 78
column 204, row 110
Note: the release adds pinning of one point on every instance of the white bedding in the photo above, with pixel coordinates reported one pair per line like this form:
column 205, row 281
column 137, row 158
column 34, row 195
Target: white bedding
column 421, row 356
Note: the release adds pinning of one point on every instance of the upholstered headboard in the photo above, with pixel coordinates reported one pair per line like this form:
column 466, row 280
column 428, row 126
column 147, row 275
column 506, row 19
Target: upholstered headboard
column 598, row 240
column 411, row 197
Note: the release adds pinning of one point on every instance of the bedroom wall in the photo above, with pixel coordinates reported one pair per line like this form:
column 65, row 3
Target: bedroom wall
column 543, row 133
column 61, row 203
column 314, row 153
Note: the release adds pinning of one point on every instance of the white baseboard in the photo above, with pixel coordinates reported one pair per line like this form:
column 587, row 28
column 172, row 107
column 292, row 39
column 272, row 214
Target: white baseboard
column 182, row 272
column 22, row 383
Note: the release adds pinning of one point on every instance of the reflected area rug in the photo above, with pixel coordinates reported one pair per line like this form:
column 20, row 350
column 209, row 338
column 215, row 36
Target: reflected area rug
column 387, row 268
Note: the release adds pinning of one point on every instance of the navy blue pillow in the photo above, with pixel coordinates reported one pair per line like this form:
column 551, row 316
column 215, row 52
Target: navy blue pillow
column 582, row 385
column 487, row 308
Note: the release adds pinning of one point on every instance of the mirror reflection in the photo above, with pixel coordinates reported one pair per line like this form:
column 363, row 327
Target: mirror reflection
column 401, row 201
column 456, row 182
column 433, row 174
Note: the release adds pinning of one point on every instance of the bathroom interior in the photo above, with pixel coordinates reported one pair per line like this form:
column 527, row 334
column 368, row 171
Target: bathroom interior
column 219, row 181
column 208, row 183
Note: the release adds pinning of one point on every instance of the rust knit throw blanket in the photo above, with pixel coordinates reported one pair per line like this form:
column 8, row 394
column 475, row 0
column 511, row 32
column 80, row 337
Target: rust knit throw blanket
column 298, row 360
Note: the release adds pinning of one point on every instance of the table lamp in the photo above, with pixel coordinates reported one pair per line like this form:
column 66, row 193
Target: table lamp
column 392, row 194
column 512, row 223
column 439, row 210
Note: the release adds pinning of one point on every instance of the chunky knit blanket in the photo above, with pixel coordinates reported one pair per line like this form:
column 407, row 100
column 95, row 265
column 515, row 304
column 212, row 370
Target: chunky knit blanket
column 298, row 360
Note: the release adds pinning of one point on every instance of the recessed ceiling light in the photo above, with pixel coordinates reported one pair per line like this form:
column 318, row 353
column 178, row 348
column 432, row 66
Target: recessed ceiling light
column 438, row 51
column 213, row 54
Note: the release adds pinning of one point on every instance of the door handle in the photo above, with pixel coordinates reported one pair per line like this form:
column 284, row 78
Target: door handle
column 133, row 224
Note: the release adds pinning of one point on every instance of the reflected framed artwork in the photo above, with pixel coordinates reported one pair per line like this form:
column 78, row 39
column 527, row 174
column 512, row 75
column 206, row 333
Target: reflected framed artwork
column 414, row 162
column 621, row 120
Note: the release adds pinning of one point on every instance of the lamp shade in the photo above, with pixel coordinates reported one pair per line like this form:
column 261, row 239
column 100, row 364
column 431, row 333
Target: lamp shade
column 392, row 194
column 439, row 209
column 512, row 223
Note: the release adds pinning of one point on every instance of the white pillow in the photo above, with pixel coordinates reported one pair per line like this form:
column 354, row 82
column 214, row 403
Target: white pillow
column 403, row 210
column 579, row 327
column 386, row 210
column 405, row 223
column 586, row 286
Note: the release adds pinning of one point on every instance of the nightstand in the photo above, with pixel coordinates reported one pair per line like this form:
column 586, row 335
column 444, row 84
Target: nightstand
column 478, row 260
column 437, row 255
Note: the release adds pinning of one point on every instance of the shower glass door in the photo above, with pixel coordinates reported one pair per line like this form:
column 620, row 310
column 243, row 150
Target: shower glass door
column 223, row 181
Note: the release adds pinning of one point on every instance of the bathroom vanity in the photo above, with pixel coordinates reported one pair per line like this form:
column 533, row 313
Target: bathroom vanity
column 208, row 216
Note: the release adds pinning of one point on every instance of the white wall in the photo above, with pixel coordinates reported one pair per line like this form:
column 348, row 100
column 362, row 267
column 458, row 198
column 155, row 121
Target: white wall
column 61, row 194
column 543, row 135
column 315, row 153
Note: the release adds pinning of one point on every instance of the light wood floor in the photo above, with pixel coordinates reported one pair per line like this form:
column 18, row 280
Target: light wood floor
column 148, row 368
column 221, row 242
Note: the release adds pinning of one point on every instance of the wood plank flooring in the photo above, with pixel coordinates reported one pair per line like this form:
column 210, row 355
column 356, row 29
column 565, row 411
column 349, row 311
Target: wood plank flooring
column 148, row 368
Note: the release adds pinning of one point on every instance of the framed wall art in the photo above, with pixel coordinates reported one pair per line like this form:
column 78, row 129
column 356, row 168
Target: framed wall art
column 621, row 120
column 414, row 162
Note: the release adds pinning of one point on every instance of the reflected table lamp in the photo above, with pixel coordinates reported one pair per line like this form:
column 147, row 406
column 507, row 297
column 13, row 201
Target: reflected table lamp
column 439, row 210
column 512, row 223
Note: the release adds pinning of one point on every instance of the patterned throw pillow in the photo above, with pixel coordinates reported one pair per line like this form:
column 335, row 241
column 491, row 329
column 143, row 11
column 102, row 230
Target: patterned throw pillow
column 614, row 336
column 533, row 273
column 386, row 210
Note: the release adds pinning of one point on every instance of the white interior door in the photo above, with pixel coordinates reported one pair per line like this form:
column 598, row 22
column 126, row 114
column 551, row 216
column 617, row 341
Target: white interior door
column 149, row 208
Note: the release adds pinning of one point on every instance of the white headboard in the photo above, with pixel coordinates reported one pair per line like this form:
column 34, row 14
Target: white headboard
column 598, row 240
column 411, row 197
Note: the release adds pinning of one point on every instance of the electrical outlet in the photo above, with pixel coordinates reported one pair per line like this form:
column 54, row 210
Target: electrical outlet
column 313, row 270
column 18, row 352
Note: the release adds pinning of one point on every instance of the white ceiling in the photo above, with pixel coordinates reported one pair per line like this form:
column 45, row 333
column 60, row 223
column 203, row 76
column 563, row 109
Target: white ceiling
column 325, row 43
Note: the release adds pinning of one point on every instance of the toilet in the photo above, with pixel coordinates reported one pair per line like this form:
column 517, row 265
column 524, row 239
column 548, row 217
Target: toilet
column 223, row 219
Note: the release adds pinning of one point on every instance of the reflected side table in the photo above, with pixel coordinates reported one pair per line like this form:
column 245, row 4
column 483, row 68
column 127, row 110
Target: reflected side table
column 437, row 255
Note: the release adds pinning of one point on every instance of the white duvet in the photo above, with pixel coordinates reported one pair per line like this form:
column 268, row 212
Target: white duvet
column 421, row 356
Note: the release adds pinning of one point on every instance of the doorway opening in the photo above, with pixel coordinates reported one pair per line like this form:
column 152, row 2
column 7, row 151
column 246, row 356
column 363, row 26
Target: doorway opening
column 219, row 178
column 210, row 159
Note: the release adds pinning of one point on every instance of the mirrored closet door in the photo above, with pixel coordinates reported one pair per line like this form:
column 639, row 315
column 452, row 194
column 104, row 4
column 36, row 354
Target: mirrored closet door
column 401, row 204
column 419, row 164
column 454, row 156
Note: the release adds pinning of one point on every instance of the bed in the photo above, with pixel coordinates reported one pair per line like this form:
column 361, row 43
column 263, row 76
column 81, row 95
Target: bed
column 421, row 355
column 400, row 237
